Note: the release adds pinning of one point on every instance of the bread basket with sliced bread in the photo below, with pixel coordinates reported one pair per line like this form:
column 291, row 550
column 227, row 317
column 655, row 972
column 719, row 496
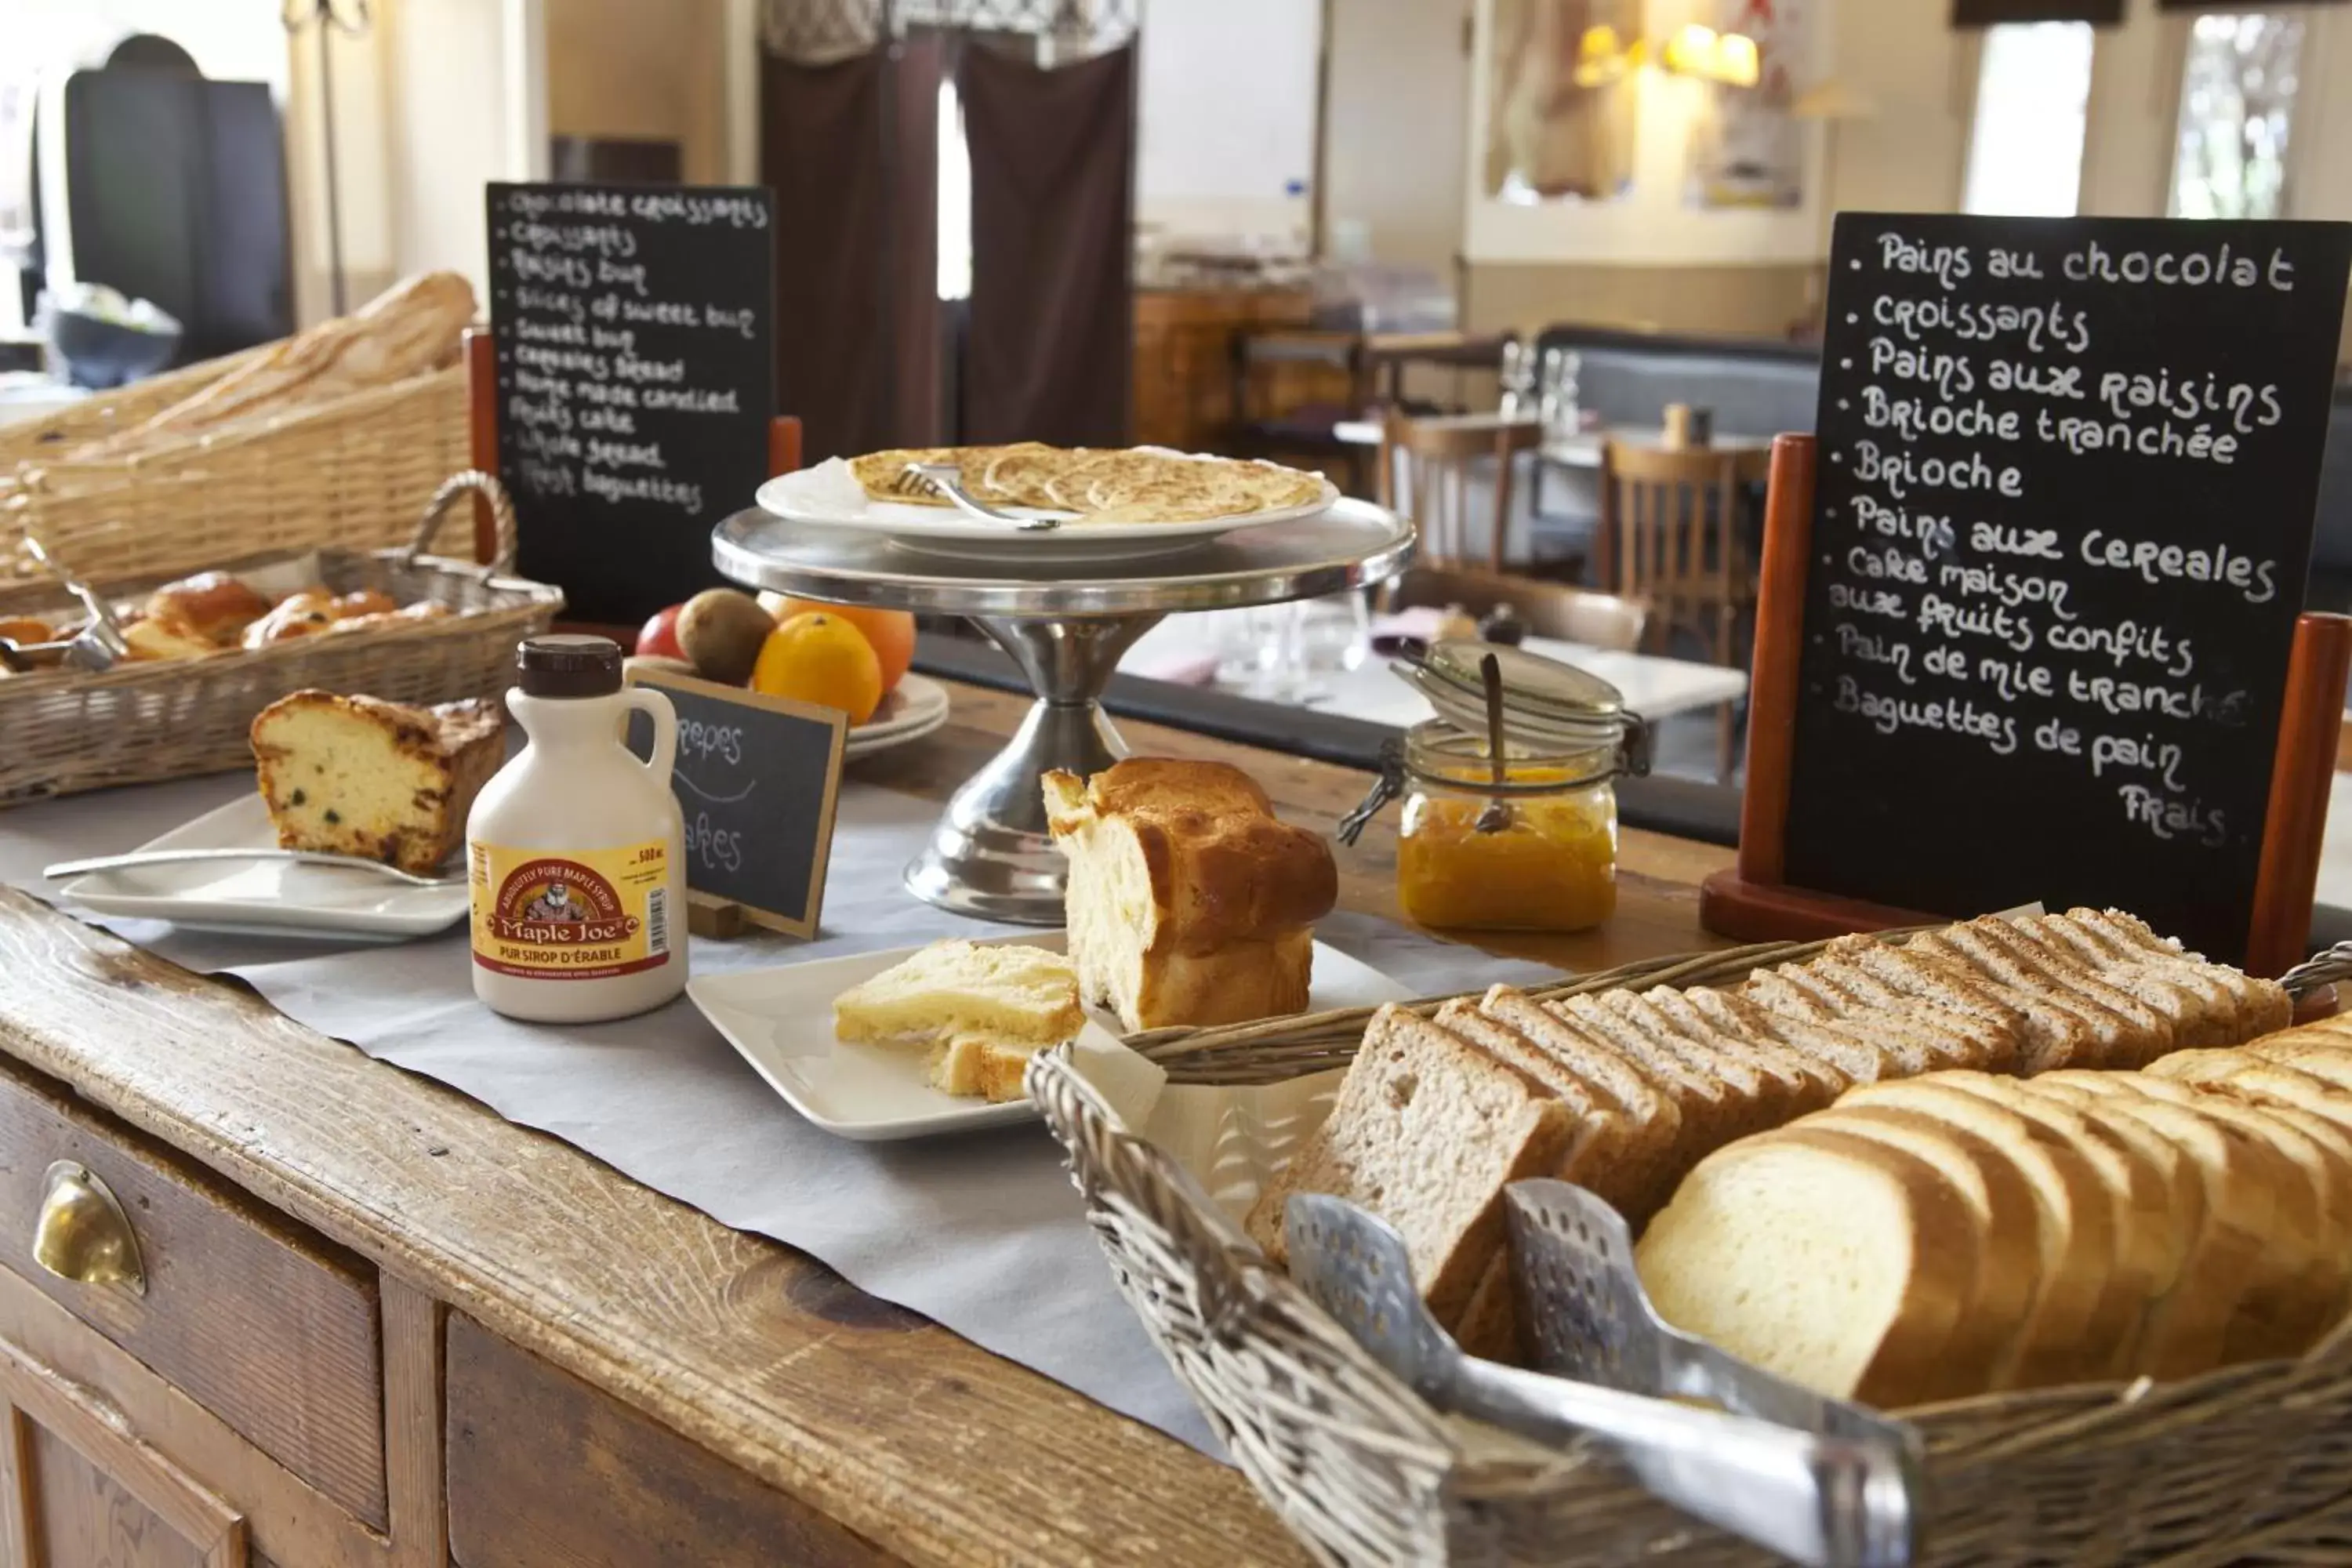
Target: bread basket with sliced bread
column 2173, row 1404
column 179, row 705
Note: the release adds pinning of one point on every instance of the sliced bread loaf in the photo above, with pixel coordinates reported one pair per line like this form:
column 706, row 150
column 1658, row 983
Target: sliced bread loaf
column 1834, row 1260
column 2122, row 1029
column 1811, row 1083
column 1849, row 1054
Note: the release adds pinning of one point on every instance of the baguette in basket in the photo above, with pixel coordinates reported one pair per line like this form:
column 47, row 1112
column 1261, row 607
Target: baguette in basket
column 1653, row 1083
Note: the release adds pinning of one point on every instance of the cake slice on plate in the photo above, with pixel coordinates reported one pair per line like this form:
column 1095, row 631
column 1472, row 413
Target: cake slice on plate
column 384, row 781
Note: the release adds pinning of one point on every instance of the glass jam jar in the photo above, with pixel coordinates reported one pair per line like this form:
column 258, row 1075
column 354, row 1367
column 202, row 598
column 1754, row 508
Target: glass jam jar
column 1552, row 867
column 1534, row 850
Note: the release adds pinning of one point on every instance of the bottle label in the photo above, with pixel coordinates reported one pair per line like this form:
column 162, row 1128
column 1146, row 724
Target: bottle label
column 582, row 915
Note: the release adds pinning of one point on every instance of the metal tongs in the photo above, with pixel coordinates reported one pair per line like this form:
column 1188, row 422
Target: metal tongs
column 100, row 645
column 1817, row 1481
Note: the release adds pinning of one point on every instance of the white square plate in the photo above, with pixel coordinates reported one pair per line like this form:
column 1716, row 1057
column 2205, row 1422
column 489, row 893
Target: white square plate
column 780, row 1021
column 275, row 898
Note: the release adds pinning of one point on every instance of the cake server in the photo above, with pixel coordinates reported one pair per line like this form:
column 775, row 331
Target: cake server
column 65, row 868
column 1832, row 1501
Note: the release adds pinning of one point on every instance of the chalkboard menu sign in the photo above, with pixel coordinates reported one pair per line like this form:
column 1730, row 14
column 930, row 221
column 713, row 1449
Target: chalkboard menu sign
column 635, row 380
column 2062, row 518
column 757, row 778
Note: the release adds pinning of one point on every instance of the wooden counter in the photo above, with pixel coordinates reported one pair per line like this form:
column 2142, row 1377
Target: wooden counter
column 384, row 1326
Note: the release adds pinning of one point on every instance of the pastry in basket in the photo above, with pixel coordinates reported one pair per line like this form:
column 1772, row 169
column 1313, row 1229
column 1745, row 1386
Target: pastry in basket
column 354, row 775
column 211, row 607
column 1654, row 1083
column 1187, row 900
column 980, row 1011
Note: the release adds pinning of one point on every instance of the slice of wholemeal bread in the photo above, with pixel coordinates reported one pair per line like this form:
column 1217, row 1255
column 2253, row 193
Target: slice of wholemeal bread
column 2259, row 1005
column 1984, row 1341
column 2195, row 1012
column 1713, row 1111
column 1426, row 1133
column 1833, row 1260
column 2148, row 1248
column 1626, row 1086
column 2180, row 1332
column 1612, row 1153
column 2123, row 1030
column 1765, row 1094
column 1798, row 993
column 1851, row 1054
column 1809, row 1082
column 2016, row 1029
column 2243, row 1179
column 2075, row 1319
column 2312, row 1197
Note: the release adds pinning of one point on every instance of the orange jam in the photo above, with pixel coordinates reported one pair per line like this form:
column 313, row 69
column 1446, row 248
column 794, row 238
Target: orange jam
column 1554, row 868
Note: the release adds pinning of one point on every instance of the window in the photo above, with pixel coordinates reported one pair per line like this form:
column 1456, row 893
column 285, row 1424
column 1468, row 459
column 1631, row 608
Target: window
column 2237, row 98
column 2033, row 94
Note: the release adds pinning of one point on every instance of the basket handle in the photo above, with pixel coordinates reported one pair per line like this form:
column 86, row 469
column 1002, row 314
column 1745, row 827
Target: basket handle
column 502, row 517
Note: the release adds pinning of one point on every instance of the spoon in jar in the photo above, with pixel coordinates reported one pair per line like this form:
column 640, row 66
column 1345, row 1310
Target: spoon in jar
column 1496, row 816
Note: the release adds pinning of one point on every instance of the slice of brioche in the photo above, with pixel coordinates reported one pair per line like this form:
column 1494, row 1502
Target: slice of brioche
column 1426, row 1133
column 1836, row 1261
column 2075, row 1319
column 2180, row 1332
column 2318, row 1054
column 982, row 1066
column 2009, row 1255
column 2149, row 1250
column 957, row 987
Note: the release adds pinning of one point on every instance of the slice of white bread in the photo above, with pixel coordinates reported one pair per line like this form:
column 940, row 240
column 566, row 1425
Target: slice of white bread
column 2075, row 1319
column 2180, row 1332
column 1983, row 1342
column 2147, row 1250
column 2242, row 1178
column 954, row 987
column 1833, row 1260
column 981, row 1066
column 1426, row 1133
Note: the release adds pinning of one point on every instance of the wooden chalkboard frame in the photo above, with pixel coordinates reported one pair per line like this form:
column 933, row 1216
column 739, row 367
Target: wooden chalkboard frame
column 802, row 922
column 1752, row 903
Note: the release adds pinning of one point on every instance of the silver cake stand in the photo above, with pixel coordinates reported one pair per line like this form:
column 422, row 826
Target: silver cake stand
column 1066, row 626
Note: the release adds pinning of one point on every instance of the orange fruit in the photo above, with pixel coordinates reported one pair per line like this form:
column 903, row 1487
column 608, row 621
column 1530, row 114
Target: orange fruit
column 817, row 657
column 892, row 632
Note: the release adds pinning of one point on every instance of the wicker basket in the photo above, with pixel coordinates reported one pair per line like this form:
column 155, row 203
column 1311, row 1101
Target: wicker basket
column 350, row 472
column 64, row 730
column 2253, row 1464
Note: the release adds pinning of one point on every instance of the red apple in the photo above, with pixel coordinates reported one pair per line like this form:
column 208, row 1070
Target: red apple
column 659, row 638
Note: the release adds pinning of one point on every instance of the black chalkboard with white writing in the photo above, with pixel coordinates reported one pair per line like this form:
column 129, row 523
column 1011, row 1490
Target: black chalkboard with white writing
column 2061, row 519
column 636, row 381
column 757, row 778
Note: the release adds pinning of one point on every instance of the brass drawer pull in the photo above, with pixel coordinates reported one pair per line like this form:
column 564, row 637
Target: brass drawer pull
column 83, row 1234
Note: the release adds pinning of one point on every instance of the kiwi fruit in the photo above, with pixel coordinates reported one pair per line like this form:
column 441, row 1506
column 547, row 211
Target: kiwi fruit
column 721, row 632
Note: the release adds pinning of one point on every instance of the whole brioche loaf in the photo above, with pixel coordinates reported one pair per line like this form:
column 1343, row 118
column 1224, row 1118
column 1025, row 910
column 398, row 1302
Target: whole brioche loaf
column 1189, row 901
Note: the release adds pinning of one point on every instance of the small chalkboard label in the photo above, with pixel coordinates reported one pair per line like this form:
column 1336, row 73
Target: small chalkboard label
column 635, row 380
column 2062, row 518
column 757, row 778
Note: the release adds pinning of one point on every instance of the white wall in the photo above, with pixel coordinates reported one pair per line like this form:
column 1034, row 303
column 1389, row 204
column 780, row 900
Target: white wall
column 1225, row 114
column 1400, row 107
column 231, row 41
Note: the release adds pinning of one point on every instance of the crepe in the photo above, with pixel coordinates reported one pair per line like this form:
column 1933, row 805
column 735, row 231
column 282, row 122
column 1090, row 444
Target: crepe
column 1111, row 485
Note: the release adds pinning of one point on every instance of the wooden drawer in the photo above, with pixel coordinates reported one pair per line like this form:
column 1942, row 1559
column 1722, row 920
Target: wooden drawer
column 270, row 1327
column 544, row 1469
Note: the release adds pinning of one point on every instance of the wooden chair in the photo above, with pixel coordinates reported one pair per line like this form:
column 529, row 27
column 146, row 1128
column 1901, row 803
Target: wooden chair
column 1549, row 609
column 1670, row 536
column 1438, row 452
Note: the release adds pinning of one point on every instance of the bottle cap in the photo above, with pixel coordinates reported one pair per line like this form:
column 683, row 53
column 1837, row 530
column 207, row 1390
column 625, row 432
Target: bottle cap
column 566, row 664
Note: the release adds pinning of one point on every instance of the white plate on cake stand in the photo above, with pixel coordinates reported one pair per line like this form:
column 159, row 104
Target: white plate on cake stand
column 780, row 1021
column 917, row 706
column 273, row 897
column 826, row 496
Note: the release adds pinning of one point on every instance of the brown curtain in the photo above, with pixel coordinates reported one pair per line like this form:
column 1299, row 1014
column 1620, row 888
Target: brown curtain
column 1053, row 154
column 822, row 150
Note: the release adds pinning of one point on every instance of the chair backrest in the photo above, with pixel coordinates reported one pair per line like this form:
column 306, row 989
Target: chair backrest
column 1436, row 453
column 1669, row 522
column 1548, row 609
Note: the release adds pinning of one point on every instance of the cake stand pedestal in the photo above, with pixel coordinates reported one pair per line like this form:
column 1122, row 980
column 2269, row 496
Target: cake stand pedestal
column 1066, row 622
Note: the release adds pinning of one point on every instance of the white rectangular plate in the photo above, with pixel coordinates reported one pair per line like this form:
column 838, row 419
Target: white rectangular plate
column 780, row 1021
column 263, row 896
